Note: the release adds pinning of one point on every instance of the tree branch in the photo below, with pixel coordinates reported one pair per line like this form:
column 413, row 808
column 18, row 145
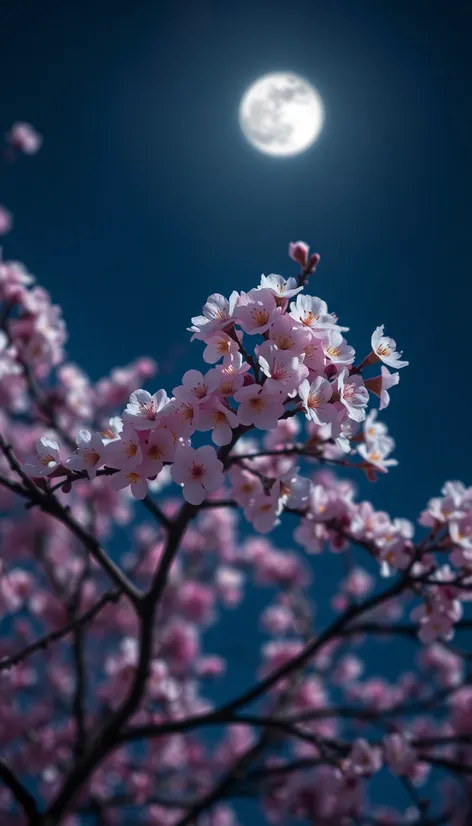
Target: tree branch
column 226, row 712
column 53, row 636
column 219, row 791
column 109, row 736
column 79, row 692
column 21, row 794
column 49, row 504
column 156, row 511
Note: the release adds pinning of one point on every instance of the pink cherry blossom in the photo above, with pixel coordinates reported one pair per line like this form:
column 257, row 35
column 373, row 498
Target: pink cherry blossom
column 196, row 601
column 312, row 312
column 311, row 535
column 259, row 406
column 435, row 621
column 394, row 554
column 245, row 486
column 159, row 447
column 278, row 619
column 226, row 379
column 45, row 460
column 284, row 371
column 315, row 399
column 264, row 509
column 214, row 415
column 353, row 395
column 399, row 754
column 180, row 416
column 313, row 355
column 349, row 668
column 198, row 471
column 285, row 433
column 90, row 453
column 380, row 385
column 449, row 667
column 256, row 310
column 364, row 758
column 385, row 349
column 24, row 137
column 280, row 286
column 288, row 336
column 217, row 315
column 359, row 583
column 375, row 432
column 194, row 385
column 15, row 589
column 376, row 454
column 229, row 582
column 125, row 452
column 447, row 507
column 210, row 666
column 143, row 409
column 135, row 478
column 219, row 346
column 336, row 348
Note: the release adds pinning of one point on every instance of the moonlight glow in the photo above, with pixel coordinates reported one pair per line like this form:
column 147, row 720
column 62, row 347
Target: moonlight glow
column 281, row 114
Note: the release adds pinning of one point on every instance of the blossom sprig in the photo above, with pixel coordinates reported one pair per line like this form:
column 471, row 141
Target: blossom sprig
column 303, row 363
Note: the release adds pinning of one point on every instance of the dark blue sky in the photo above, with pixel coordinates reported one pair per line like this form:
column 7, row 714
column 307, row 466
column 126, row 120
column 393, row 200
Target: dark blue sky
column 145, row 196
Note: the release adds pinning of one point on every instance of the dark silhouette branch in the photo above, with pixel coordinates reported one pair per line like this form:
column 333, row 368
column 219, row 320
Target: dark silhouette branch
column 21, row 794
column 79, row 692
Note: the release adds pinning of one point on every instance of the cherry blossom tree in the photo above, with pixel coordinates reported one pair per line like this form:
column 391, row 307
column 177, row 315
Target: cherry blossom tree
column 133, row 520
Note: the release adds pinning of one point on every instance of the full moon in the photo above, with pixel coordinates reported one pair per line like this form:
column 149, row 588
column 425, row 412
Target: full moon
column 281, row 114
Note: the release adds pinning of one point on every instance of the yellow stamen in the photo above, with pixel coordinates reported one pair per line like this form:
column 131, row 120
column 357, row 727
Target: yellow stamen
column 257, row 404
column 46, row 460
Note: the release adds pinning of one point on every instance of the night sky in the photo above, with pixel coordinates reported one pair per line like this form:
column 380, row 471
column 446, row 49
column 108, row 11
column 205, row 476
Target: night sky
column 146, row 197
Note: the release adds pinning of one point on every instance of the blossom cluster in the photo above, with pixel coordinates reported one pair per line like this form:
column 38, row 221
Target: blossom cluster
column 300, row 363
